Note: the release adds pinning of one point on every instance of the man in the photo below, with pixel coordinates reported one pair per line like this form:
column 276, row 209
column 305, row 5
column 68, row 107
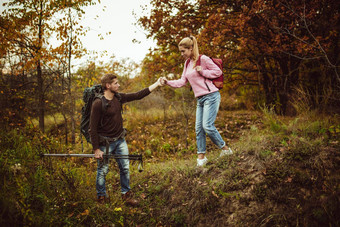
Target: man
column 110, row 125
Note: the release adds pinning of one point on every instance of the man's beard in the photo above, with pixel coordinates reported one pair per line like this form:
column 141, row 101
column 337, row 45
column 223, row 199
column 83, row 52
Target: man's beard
column 113, row 91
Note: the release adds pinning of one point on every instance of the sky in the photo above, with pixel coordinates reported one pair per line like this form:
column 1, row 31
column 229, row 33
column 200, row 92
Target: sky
column 118, row 19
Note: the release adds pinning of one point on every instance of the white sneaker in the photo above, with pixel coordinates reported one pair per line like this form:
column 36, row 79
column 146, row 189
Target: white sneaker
column 226, row 152
column 201, row 162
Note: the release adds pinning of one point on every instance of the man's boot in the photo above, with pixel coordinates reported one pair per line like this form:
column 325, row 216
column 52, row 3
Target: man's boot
column 129, row 200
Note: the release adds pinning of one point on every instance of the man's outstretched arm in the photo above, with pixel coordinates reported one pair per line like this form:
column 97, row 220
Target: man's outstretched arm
column 155, row 85
column 128, row 97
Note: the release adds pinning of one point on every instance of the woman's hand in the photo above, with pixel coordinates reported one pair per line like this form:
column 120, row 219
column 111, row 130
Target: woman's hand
column 198, row 68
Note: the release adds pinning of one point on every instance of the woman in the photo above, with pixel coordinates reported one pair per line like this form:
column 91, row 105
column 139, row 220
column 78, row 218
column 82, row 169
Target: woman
column 208, row 96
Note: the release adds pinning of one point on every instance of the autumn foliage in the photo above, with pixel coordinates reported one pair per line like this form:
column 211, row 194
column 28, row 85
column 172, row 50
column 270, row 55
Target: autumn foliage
column 27, row 55
column 277, row 48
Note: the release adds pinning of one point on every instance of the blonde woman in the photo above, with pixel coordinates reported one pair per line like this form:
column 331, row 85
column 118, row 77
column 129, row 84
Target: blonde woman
column 207, row 95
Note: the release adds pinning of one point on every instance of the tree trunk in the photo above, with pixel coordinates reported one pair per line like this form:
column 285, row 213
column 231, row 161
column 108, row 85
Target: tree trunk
column 66, row 129
column 289, row 78
column 41, row 99
column 266, row 85
column 40, row 80
column 72, row 110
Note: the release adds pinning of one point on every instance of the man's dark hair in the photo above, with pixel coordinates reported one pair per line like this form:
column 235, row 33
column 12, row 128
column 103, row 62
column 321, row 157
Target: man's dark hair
column 107, row 78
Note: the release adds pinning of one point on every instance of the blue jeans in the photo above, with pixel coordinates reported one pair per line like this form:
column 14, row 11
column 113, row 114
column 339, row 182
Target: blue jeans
column 118, row 147
column 206, row 112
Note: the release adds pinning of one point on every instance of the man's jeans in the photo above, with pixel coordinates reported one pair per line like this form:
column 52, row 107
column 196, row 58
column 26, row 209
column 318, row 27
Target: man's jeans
column 206, row 112
column 118, row 147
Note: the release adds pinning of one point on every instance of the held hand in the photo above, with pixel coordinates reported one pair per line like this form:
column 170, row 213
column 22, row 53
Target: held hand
column 198, row 68
column 98, row 154
column 155, row 85
column 163, row 81
column 160, row 82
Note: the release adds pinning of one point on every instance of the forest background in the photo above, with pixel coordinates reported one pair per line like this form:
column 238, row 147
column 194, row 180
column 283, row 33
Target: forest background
column 281, row 62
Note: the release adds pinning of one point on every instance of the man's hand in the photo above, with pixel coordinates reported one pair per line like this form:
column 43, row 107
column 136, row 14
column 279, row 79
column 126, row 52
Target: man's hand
column 156, row 84
column 160, row 81
column 98, row 154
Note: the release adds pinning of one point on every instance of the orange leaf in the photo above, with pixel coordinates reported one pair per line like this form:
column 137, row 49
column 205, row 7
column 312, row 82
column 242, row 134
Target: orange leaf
column 86, row 212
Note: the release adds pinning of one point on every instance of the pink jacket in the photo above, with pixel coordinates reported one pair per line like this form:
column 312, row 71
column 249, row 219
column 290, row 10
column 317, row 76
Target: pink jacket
column 209, row 70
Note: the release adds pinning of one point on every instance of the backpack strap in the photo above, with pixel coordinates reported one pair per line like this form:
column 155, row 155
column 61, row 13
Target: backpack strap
column 187, row 63
column 198, row 63
column 119, row 98
column 186, row 66
column 105, row 105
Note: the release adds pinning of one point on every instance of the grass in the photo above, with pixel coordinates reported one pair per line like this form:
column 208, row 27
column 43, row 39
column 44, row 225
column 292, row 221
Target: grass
column 284, row 172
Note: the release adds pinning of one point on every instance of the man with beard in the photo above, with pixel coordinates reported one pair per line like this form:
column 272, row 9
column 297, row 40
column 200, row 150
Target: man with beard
column 109, row 125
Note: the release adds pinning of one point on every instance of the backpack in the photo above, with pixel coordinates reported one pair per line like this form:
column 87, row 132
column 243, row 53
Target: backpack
column 89, row 95
column 218, row 82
